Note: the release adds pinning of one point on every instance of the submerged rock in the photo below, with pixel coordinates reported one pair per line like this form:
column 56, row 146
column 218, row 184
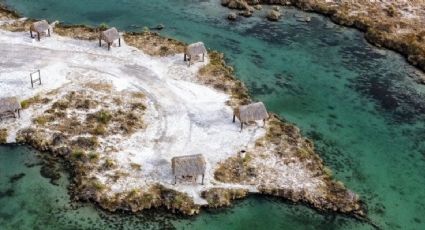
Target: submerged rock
column 274, row 15
column 232, row 16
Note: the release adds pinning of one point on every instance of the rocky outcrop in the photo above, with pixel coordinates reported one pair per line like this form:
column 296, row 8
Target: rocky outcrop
column 273, row 15
column 232, row 16
column 396, row 25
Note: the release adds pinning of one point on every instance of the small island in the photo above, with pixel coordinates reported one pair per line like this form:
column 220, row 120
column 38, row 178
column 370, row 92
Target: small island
column 121, row 119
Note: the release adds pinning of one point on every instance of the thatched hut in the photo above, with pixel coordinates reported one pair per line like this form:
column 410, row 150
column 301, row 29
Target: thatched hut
column 109, row 36
column 9, row 107
column 194, row 50
column 190, row 166
column 252, row 112
column 40, row 27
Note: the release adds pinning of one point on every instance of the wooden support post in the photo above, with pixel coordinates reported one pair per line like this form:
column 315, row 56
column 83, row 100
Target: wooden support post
column 241, row 126
column 109, row 46
column 184, row 57
column 234, row 117
column 175, row 179
column 100, row 42
column 38, row 35
column 39, row 77
column 48, row 32
column 119, row 42
column 31, row 34
column 203, row 176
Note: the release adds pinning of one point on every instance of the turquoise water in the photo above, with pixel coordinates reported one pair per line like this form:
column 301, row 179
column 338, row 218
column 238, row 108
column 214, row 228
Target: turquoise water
column 359, row 104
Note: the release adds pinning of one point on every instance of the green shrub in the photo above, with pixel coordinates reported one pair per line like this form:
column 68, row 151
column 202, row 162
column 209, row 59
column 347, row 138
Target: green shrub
column 61, row 104
column 93, row 156
column 98, row 185
column 103, row 117
column 41, row 120
column 100, row 129
column 34, row 100
column 103, row 26
column 327, row 171
column 87, row 142
column 78, row 154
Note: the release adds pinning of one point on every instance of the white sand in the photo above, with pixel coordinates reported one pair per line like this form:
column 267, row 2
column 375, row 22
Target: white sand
column 183, row 117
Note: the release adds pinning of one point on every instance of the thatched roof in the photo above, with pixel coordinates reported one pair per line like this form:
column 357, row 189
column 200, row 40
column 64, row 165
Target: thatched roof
column 252, row 112
column 9, row 104
column 190, row 165
column 196, row 49
column 110, row 35
column 40, row 26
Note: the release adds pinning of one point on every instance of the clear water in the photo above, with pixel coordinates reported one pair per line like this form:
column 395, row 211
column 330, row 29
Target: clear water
column 358, row 103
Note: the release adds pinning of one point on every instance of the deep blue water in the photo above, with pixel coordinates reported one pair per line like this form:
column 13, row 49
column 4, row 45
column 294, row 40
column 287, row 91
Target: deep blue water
column 358, row 103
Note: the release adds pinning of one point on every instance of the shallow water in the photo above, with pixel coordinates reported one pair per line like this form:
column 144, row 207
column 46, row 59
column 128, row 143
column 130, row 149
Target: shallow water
column 358, row 103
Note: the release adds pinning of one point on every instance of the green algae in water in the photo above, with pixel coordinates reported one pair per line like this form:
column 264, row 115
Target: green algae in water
column 359, row 104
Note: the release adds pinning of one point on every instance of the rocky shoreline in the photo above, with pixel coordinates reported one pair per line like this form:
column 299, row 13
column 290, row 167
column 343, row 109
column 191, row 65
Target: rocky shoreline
column 395, row 25
column 282, row 143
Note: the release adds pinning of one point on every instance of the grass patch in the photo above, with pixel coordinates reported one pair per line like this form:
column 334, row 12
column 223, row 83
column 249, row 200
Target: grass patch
column 138, row 105
column 25, row 104
column 87, row 142
column 94, row 156
column 99, row 129
column 327, row 171
column 61, row 104
column 99, row 86
column 103, row 117
column 78, row 154
column 98, row 186
column 135, row 166
column 44, row 119
column 109, row 164
column 3, row 136
column 138, row 95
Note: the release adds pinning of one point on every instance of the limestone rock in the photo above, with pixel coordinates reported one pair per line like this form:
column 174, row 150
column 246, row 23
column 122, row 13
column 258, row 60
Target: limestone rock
column 274, row 15
column 232, row 16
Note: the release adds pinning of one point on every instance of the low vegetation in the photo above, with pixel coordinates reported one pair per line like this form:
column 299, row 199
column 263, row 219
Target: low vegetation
column 3, row 136
column 235, row 169
column 220, row 76
column 219, row 197
column 154, row 44
column 25, row 104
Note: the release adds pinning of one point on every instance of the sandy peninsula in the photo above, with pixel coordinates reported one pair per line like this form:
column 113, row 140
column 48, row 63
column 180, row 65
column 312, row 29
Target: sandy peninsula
column 118, row 117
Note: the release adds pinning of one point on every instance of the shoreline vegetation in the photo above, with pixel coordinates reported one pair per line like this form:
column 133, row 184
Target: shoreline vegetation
column 395, row 25
column 281, row 144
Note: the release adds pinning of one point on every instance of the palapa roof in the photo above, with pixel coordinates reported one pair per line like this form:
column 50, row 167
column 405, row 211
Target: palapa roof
column 190, row 165
column 110, row 35
column 252, row 112
column 9, row 104
column 196, row 49
column 40, row 26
